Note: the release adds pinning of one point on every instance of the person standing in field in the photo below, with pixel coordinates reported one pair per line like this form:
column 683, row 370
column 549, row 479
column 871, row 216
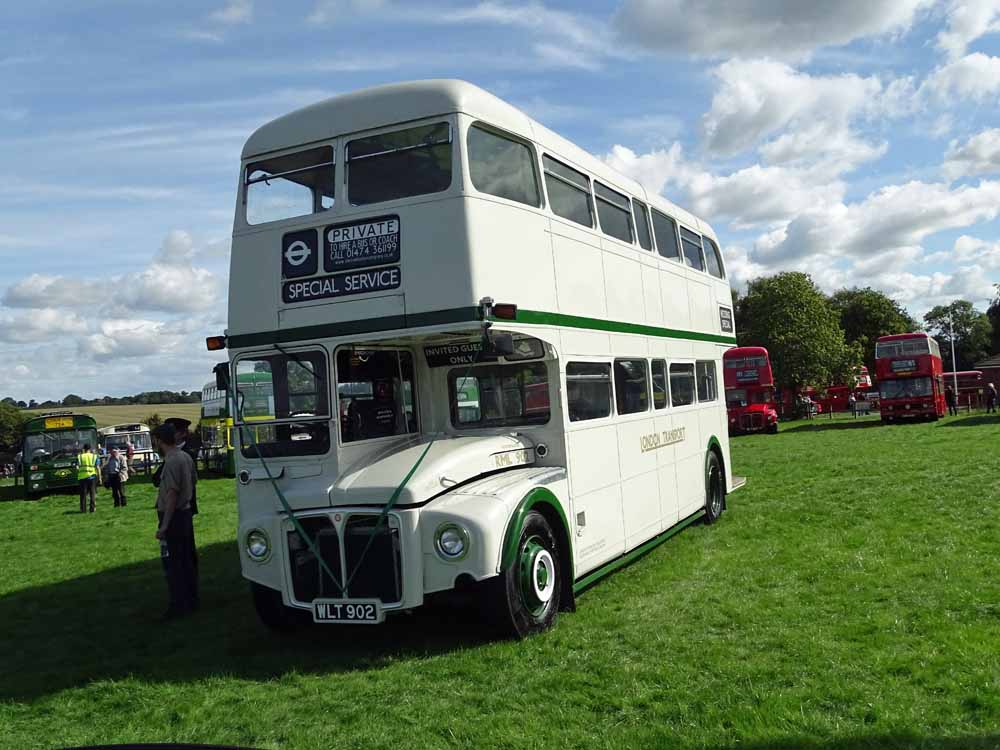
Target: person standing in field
column 949, row 399
column 175, row 530
column 87, row 474
column 116, row 475
column 991, row 398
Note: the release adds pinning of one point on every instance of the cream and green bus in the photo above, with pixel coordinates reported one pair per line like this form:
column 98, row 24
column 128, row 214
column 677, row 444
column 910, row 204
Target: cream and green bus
column 495, row 362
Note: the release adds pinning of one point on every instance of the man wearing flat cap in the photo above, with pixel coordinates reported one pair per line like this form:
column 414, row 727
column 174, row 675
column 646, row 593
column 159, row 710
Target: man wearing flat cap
column 175, row 530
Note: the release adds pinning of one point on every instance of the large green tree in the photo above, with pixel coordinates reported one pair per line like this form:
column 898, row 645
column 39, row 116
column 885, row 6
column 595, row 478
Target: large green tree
column 972, row 332
column 993, row 313
column 11, row 419
column 865, row 314
column 790, row 316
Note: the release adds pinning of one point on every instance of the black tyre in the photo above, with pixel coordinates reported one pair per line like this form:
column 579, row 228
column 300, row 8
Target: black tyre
column 272, row 611
column 715, row 488
column 526, row 596
column 772, row 429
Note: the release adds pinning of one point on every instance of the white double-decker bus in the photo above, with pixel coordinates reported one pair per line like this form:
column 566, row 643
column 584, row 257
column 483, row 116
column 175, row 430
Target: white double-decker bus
column 491, row 362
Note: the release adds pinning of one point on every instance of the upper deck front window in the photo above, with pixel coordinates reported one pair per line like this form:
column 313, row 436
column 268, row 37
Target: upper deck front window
column 902, row 347
column 399, row 164
column 283, row 187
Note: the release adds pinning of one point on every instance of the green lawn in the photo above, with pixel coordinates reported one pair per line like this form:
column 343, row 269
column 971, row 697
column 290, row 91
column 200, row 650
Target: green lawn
column 850, row 598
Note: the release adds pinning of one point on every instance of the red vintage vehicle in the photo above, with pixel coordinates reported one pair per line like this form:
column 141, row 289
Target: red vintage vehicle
column 970, row 386
column 910, row 377
column 838, row 397
column 749, row 390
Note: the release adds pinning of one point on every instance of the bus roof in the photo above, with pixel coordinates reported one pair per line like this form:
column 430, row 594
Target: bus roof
column 48, row 421
column 379, row 106
column 904, row 336
column 124, row 427
column 965, row 374
column 745, row 351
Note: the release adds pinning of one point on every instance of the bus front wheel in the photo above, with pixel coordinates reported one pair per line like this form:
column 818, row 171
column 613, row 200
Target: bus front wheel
column 715, row 488
column 271, row 610
column 526, row 596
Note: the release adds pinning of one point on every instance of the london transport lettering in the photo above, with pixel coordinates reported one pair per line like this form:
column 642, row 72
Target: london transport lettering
column 374, row 242
column 341, row 285
column 661, row 439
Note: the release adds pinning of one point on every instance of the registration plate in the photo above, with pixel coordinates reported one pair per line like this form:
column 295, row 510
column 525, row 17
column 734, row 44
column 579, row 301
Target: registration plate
column 348, row 611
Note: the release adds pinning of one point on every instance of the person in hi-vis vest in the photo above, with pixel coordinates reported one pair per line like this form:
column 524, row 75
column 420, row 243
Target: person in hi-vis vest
column 87, row 473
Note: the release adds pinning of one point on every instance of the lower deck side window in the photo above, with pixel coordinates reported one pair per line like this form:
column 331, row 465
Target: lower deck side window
column 708, row 389
column 588, row 390
column 682, row 384
column 631, row 386
column 499, row 395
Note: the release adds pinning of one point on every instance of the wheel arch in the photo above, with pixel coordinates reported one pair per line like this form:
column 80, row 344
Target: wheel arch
column 545, row 502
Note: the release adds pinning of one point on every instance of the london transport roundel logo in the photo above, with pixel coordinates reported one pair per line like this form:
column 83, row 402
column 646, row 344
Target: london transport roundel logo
column 297, row 253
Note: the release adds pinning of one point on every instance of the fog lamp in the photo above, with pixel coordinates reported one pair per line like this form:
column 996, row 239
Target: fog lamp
column 451, row 541
column 36, row 477
column 258, row 545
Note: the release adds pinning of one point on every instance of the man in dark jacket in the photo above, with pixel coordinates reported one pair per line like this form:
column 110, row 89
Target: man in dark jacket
column 951, row 401
column 187, row 443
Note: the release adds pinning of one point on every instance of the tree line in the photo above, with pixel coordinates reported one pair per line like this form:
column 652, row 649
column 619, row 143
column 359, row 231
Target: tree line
column 146, row 397
column 817, row 340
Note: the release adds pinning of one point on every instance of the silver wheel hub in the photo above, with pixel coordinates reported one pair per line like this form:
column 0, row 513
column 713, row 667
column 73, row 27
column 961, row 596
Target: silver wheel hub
column 543, row 576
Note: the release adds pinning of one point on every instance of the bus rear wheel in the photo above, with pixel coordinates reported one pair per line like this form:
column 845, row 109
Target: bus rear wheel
column 271, row 610
column 526, row 596
column 715, row 488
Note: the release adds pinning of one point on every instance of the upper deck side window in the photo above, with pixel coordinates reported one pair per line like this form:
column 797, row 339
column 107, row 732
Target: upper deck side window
column 713, row 258
column 569, row 192
column 691, row 244
column 502, row 166
column 642, row 231
column 399, row 164
column 614, row 213
column 665, row 230
column 282, row 187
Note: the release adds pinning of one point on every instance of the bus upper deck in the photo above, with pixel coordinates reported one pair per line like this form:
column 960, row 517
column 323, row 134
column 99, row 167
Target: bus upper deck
column 373, row 221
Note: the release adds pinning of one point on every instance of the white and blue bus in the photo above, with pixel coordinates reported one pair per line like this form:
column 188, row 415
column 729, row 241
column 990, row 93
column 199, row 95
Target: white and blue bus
column 495, row 362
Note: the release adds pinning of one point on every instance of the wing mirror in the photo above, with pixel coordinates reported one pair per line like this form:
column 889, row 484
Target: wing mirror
column 221, row 371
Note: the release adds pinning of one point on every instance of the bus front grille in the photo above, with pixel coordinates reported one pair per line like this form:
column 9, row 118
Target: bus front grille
column 379, row 575
column 753, row 422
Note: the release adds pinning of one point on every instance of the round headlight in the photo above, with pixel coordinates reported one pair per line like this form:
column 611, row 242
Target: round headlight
column 452, row 541
column 258, row 545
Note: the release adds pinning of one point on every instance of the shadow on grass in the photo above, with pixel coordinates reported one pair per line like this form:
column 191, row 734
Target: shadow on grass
column 819, row 425
column 975, row 421
column 106, row 626
column 875, row 742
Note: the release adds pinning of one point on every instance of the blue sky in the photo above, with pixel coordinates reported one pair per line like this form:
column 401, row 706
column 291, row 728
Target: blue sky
column 860, row 143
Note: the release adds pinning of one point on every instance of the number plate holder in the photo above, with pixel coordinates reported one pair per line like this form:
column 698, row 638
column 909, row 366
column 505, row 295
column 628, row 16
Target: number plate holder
column 348, row 611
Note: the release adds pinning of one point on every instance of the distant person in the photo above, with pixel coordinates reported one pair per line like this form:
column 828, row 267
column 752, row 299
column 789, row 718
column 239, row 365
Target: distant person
column 115, row 477
column 87, row 474
column 951, row 401
column 991, row 398
column 175, row 530
column 129, row 452
column 852, row 404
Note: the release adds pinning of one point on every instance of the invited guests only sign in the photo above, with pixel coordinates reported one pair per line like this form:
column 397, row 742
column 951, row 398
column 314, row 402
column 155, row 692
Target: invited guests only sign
column 360, row 252
column 358, row 244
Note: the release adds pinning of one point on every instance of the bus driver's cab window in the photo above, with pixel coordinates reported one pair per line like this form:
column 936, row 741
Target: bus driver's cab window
column 375, row 394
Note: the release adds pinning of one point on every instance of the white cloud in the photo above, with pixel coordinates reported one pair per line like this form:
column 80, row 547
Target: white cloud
column 893, row 218
column 43, row 290
column 757, row 99
column 40, row 325
column 975, row 77
column 768, row 28
column 978, row 155
column 234, row 12
column 754, row 195
column 120, row 339
column 967, row 20
column 327, row 11
column 177, row 247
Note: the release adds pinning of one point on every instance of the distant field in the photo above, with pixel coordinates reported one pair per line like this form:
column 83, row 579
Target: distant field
column 109, row 415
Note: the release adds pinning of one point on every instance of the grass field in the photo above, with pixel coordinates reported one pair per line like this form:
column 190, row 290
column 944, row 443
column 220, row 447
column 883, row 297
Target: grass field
column 109, row 415
column 849, row 598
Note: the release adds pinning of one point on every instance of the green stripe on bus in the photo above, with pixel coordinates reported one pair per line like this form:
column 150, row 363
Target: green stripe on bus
column 638, row 552
column 460, row 315
column 614, row 326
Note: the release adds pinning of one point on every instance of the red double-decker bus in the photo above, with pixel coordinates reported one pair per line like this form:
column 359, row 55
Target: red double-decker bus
column 838, row 397
column 749, row 390
column 910, row 377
